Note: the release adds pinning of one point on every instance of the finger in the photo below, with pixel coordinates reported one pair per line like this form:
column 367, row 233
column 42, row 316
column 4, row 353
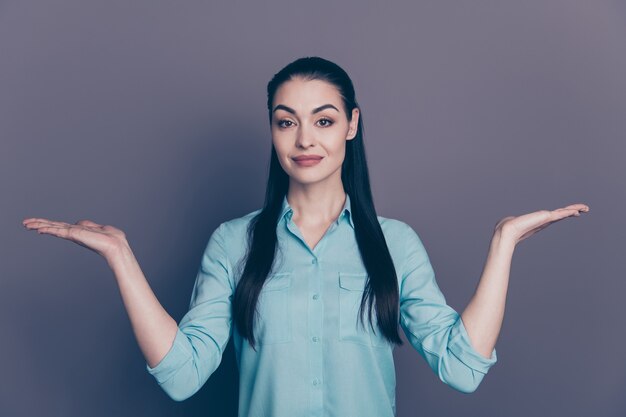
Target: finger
column 54, row 230
column 33, row 224
column 66, row 231
column 43, row 222
column 560, row 214
column 38, row 220
column 576, row 212
column 580, row 207
column 33, row 219
column 564, row 214
column 88, row 223
column 555, row 217
column 570, row 210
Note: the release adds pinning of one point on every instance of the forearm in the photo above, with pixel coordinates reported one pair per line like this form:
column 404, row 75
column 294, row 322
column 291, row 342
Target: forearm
column 485, row 311
column 154, row 328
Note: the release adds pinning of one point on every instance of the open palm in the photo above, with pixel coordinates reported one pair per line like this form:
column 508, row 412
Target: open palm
column 102, row 239
column 521, row 227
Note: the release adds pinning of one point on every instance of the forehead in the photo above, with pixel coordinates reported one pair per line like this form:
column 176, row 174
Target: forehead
column 306, row 94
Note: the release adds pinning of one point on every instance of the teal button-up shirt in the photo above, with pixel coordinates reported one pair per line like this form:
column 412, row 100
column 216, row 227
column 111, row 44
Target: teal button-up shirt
column 312, row 359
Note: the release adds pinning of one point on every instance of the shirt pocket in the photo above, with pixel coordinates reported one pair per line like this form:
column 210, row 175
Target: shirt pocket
column 351, row 290
column 273, row 319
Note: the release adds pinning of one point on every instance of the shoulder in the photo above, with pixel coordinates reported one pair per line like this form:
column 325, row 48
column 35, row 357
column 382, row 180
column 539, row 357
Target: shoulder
column 236, row 226
column 401, row 237
column 233, row 237
column 395, row 229
column 397, row 234
column 405, row 245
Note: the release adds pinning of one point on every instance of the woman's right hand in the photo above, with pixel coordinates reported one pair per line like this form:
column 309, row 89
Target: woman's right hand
column 104, row 240
column 154, row 328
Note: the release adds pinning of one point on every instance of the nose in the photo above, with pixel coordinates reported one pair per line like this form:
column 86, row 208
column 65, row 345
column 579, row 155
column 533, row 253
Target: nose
column 304, row 137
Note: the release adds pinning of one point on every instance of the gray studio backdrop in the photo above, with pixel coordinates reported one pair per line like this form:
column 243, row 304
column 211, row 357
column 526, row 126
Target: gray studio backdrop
column 150, row 116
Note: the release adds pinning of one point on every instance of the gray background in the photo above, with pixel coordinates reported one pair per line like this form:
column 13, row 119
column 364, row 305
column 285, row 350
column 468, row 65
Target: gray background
column 150, row 116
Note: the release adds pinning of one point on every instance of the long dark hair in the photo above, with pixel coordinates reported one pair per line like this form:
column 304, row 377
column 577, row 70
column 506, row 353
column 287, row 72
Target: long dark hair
column 382, row 284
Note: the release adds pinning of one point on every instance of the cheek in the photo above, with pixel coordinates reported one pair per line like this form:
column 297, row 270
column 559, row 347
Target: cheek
column 279, row 146
column 338, row 148
column 282, row 152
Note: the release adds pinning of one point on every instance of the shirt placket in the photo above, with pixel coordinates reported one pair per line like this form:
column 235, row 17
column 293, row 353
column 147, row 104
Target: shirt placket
column 315, row 315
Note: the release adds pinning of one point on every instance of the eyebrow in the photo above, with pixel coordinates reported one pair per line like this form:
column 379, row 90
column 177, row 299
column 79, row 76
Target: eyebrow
column 315, row 110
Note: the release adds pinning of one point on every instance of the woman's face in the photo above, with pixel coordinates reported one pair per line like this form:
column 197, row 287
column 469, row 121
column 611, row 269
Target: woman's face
column 309, row 119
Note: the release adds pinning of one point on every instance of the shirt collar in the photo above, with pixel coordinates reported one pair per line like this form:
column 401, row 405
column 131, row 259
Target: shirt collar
column 345, row 212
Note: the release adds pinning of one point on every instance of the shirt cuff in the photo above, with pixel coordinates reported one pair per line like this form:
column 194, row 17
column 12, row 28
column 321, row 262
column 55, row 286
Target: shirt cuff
column 460, row 345
column 174, row 359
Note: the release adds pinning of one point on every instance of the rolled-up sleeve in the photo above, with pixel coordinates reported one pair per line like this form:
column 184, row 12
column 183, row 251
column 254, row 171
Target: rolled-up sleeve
column 204, row 330
column 432, row 327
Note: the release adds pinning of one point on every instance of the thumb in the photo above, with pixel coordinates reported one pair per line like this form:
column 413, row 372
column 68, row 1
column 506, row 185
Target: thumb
column 88, row 223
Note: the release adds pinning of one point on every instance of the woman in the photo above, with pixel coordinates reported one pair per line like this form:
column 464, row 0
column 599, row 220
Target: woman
column 297, row 277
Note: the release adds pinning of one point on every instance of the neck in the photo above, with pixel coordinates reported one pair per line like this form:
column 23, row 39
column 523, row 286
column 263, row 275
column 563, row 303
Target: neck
column 315, row 205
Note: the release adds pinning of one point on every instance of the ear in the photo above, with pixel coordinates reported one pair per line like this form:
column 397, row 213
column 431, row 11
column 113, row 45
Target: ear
column 354, row 123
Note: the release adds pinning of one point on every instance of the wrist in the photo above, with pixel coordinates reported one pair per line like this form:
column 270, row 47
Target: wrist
column 502, row 240
column 120, row 255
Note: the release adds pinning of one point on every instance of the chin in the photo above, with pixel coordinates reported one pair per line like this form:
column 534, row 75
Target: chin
column 307, row 179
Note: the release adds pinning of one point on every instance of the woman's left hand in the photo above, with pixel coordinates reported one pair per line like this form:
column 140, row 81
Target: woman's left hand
column 520, row 227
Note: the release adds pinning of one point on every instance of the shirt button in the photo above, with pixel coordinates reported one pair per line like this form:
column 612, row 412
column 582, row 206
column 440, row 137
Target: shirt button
column 315, row 338
column 316, row 296
column 316, row 381
column 313, row 261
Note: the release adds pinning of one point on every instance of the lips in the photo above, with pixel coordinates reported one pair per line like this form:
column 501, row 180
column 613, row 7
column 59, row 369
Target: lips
column 307, row 158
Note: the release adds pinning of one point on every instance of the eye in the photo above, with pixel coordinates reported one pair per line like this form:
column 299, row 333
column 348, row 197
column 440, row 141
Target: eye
column 328, row 122
column 281, row 123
